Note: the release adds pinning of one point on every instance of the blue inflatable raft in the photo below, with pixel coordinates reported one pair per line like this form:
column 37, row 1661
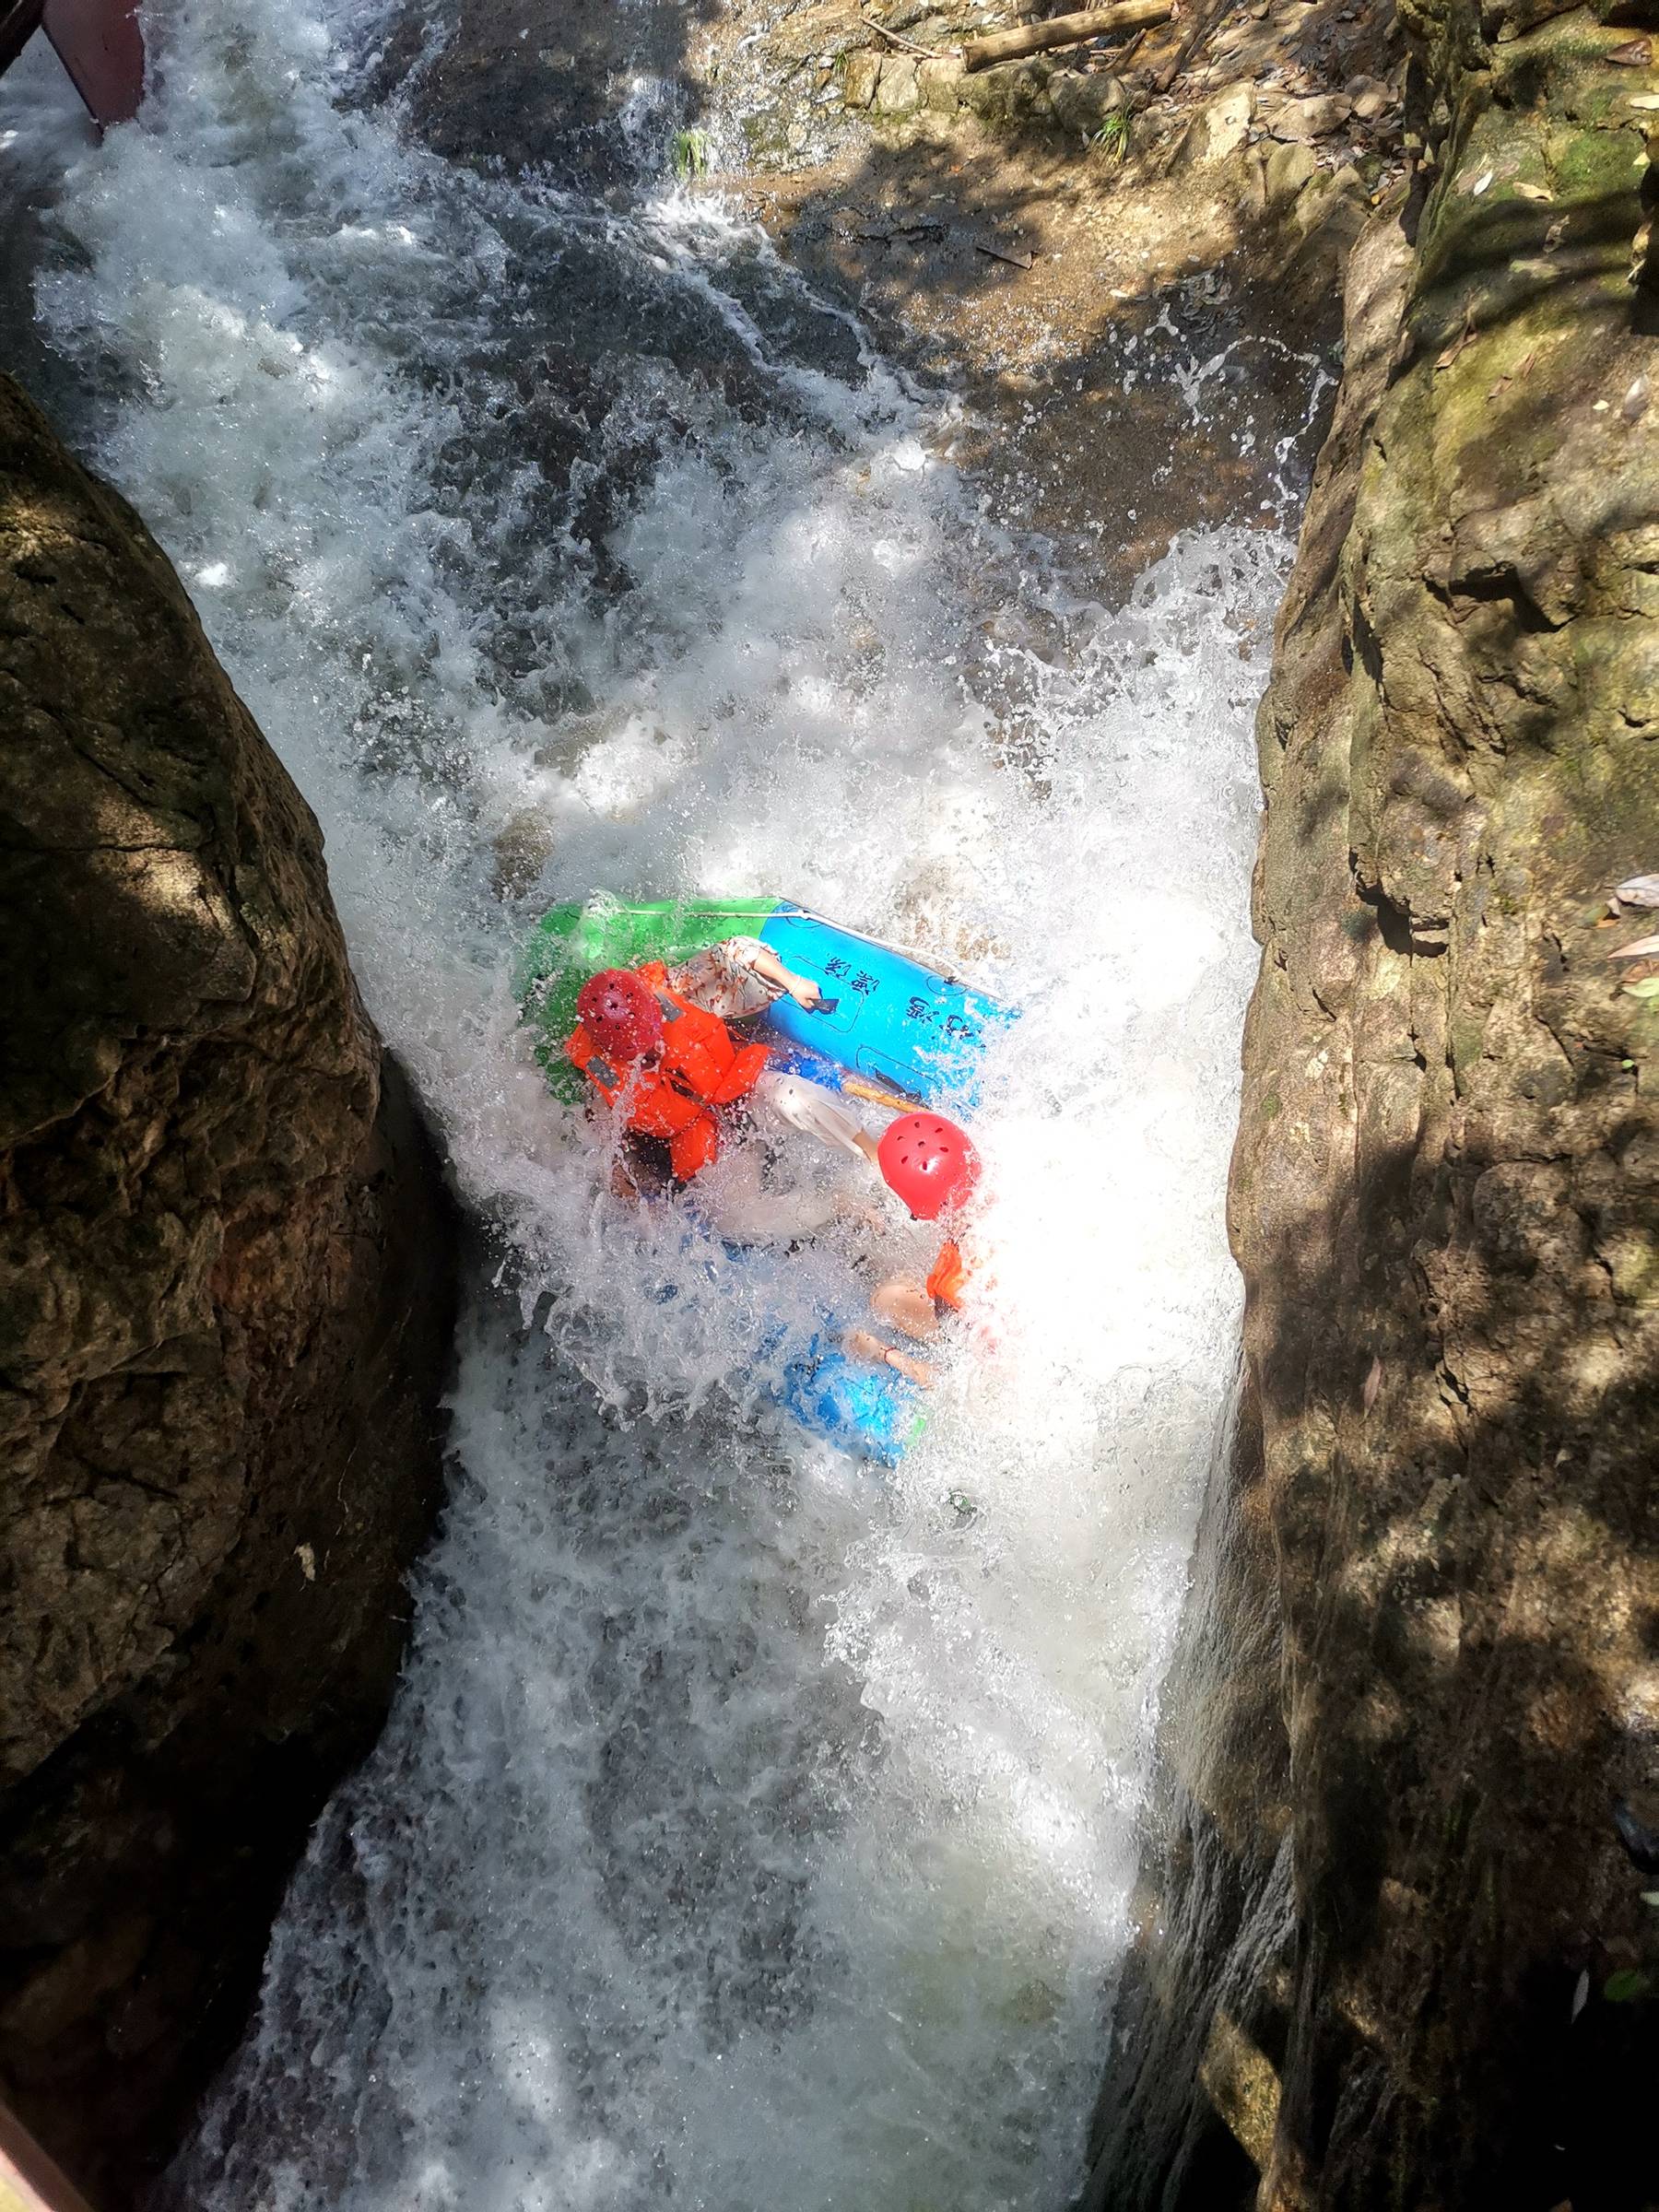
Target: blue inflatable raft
column 891, row 1029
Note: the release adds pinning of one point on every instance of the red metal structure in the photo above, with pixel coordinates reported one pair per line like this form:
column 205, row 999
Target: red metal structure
column 98, row 42
column 29, row 2180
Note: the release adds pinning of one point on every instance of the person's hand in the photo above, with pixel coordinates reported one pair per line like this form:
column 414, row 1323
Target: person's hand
column 805, row 992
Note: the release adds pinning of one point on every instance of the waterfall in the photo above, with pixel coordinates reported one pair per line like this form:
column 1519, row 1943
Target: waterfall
column 751, row 1829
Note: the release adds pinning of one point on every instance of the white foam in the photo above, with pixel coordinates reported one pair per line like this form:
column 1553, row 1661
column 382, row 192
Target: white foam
column 748, row 1832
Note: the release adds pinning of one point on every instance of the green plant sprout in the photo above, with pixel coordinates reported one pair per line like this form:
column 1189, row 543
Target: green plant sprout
column 1113, row 137
column 688, row 151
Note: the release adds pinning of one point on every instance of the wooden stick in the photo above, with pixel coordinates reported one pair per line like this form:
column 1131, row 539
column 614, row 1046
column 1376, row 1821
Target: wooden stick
column 1017, row 257
column 1064, row 30
column 855, row 1089
column 1203, row 24
column 928, row 54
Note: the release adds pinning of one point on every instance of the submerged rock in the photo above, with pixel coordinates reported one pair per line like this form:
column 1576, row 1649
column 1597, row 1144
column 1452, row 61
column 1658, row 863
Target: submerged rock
column 1402, row 1954
column 225, row 1289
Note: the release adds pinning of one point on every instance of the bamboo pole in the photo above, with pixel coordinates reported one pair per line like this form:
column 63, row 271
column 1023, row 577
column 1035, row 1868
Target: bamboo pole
column 1064, row 30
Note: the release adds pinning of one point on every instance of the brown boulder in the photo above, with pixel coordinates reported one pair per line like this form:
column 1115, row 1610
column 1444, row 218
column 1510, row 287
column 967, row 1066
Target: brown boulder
column 225, row 1284
column 1422, row 1969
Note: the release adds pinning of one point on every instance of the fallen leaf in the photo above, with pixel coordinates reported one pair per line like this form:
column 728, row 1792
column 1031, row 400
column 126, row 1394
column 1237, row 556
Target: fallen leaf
column 1514, row 376
column 1480, row 184
column 1644, row 949
column 1465, row 337
column 1647, row 988
column 1373, row 1383
column 1535, row 192
column 1635, row 54
column 1581, row 1993
column 1646, row 102
column 308, row 1561
column 1638, row 890
column 1633, row 406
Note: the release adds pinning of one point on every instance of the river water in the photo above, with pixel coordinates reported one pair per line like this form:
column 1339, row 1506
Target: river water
column 751, row 1829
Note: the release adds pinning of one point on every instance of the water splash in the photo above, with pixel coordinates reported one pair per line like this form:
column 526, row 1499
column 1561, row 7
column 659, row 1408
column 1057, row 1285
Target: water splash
column 747, row 1833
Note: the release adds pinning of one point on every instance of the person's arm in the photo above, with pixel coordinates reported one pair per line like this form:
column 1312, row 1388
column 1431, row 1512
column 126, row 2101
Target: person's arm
column 914, row 1371
column 801, row 988
column 737, row 977
column 861, row 1345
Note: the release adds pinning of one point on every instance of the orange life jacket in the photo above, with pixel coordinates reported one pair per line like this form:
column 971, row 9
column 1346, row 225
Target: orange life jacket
column 950, row 1277
column 698, row 1068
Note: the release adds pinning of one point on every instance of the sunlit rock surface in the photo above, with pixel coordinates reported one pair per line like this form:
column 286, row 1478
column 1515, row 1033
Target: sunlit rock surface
column 224, row 1271
column 1405, row 1958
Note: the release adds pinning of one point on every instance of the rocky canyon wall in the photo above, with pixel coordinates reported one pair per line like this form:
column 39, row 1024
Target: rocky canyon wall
column 1396, row 1949
column 226, row 1271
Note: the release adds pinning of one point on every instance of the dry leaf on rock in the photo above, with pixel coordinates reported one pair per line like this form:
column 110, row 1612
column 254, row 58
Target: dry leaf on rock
column 1644, row 949
column 1465, row 337
column 1638, row 890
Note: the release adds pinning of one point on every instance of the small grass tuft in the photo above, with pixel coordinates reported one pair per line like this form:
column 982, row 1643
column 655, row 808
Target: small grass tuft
column 688, row 151
column 1113, row 137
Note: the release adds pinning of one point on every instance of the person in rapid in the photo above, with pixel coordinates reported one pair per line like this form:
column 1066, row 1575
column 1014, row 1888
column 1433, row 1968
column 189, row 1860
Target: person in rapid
column 931, row 1165
column 653, row 1044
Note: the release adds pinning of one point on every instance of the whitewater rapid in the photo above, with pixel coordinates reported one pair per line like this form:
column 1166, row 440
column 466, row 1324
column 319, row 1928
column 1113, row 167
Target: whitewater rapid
column 750, row 1831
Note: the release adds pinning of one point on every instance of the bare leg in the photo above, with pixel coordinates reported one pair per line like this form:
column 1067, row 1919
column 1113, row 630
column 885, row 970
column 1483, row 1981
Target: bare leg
column 904, row 1303
column 815, row 1111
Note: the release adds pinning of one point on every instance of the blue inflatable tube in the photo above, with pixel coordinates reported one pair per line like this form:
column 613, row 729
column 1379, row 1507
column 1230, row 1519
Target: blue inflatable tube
column 868, row 1411
column 903, row 1026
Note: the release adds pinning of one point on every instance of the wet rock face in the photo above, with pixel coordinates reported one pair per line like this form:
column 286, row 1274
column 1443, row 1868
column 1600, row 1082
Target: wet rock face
column 587, row 95
column 225, row 1267
column 1446, row 1201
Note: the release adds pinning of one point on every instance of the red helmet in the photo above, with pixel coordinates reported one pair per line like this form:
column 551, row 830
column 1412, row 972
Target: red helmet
column 928, row 1163
column 620, row 1014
